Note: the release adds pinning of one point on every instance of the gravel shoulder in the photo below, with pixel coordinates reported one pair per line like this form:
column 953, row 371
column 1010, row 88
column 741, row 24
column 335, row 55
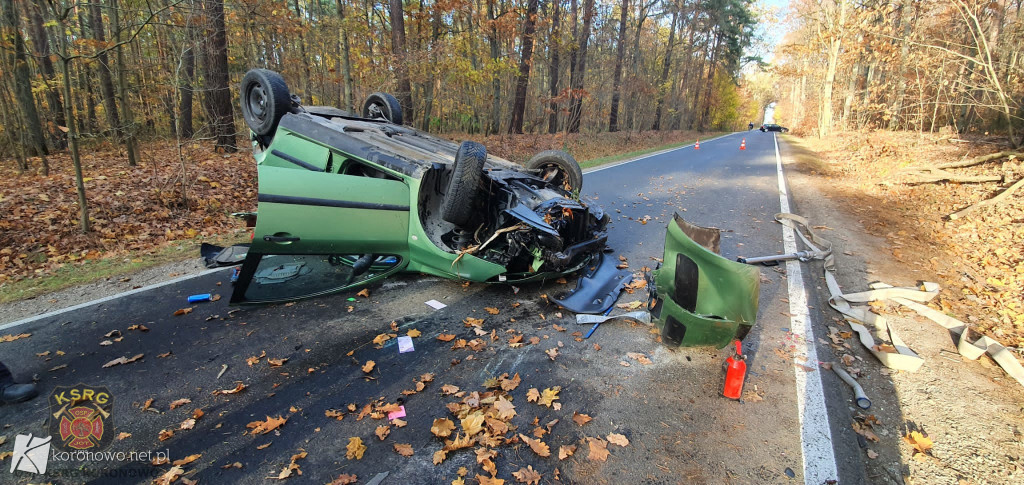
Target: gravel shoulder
column 970, row 410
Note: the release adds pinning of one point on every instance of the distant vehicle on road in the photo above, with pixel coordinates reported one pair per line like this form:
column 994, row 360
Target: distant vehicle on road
column 774, row 127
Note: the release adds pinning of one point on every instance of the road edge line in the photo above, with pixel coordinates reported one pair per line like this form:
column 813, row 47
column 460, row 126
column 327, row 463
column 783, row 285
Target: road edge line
column 819, row 459
column 97, row 301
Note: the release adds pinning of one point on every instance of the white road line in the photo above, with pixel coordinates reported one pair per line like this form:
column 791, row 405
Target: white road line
column 104, row 299
column 649, row 155
column 815, row 434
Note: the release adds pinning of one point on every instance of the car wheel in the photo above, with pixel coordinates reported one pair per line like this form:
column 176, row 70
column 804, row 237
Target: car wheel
column 464, row 185
column 559, row 168
column 383, row 105
column 265, row 99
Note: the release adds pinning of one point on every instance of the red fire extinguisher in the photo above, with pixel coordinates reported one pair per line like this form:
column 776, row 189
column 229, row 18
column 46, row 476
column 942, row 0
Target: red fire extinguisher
column 736, row 371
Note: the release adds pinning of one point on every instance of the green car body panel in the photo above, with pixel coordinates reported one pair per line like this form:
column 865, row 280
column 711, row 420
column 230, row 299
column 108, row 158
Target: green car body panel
column 698, row 297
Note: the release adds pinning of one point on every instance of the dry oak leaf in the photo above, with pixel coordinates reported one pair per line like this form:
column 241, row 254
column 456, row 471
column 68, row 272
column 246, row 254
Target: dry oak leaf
column 919, row 441
column 122, row 360
column 160, row 460
column 446, row 337
column 492, row 310
column 239, row 387
column 439, row 456
column 170, row 476
column 380, row 339
column 538, row 446
column 236, row 464
column 197, row 413
column 618, row 439
column 264, row 427
column 580, row 418
column 264, row 445
column 449, row 389
column 182, row 311
column 548, row 396
column 365, row 293
column 506, row 410
column 485, row 454
column 344, row 479
column 122, row 436
column 180, row 402
column 166, row 434
column 188, row 424
column 188, row 459
column 473, row 423
column 404, row 449
column 355, row 448
column 565, row 451
column 552, row 353
column 532, row 395
column 509, row 385
column 12, row 337
column 527, row 475
column 598, row 449
column 399, row 423
column 489, row 481
column 369, row 366
column 334, row 413
column 459, row 481
column 382, row 431
column 639, row 357
column 414, row 333
column 255, row 359
column 277, row 362
column 442, row 427
column 147, row 404
column 489, row 466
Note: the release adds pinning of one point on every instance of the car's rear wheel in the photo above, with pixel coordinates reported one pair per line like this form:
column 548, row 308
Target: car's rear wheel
column 265, row 99
column 464, row 185
column 383, row 105
column 559, row 168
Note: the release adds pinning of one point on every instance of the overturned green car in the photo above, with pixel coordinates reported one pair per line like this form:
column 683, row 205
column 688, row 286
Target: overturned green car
column 346, row 200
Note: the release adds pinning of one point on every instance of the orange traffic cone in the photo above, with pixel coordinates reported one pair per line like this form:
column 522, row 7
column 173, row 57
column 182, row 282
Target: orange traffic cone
column 743, row 144
column 696, row 146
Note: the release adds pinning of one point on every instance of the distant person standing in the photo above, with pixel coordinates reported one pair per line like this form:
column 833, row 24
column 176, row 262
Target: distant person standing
column 750, row 126
column 12, row 392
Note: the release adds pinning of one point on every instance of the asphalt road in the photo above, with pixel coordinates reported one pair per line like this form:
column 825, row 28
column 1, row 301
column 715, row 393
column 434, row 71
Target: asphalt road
column 680, row 429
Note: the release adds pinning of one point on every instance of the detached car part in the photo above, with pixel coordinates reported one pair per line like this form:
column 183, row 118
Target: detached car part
column 697, row 296
column 346, row 200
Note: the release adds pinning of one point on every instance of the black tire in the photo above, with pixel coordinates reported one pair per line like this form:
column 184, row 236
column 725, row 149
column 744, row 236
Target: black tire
column 561, row 168
column 464, row 186
column 383, row 105
column 265, row 99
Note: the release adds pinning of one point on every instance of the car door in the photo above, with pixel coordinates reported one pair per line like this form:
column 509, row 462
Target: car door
column 318, row 231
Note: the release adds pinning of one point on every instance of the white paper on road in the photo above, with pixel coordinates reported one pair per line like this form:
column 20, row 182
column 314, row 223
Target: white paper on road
column 436, row 305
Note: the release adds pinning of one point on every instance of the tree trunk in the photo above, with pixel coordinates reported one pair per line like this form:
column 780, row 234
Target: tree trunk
column 307, row 75
column 128, row 132
column 525, row 62
column 613, row 117
column 666, row 66
column 555, row 44
column 218, row 93
column 41, row 42
column 835, row 44
column 492, row 40
column 106, row 79
column 348, row 99
column 402, row 68
column 22, row 80
column 188, row 71
column 576, row 102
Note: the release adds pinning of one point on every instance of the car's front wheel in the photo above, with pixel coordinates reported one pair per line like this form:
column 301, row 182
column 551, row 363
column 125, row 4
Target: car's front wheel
column 265, row 99
column 464, row 185
column 383, row 105
column 559, row 168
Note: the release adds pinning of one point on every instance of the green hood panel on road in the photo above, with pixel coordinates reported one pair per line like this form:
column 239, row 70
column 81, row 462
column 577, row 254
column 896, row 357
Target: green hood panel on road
column 700, row 298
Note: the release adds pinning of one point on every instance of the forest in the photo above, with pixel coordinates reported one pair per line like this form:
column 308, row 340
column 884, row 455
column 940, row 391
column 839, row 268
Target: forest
column 914, row 65
column 125, row 70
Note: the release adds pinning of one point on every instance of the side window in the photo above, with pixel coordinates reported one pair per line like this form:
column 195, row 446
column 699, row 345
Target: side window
column 291, row 152
column 356, row 168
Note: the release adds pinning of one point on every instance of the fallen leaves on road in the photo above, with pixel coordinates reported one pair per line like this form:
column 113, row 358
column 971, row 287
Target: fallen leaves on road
column 918, row 441
column 633, row 305
column 580, row 418
column 552, row 353
column 365, row 293
column 527, row 475
column 355, row 448
column 492, row 310
column 446, row 337
column 165, row 434
column 404, row 449
column 618, row 439
column 255, row 359
column 180, row 402
column 170, row 476
column 639, row 357
column 565, row 451
column 239, row 387
column 292, row 467
column 123, row 436
column 188, row 459
column 182, row 311
column 414, row 333
column 548, row 396
column 122, row 360
column 538, row 446
column 344, row 479
column 264, row 445
column 236, row 464
column 277, row 362
column 12, row 337
column 368, row 366
column 264, row 427
column 442, row 427
column 382, row 431
column 598, row 449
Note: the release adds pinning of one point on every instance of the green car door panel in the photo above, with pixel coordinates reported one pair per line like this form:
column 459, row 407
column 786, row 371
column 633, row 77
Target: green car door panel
column 698, row 297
